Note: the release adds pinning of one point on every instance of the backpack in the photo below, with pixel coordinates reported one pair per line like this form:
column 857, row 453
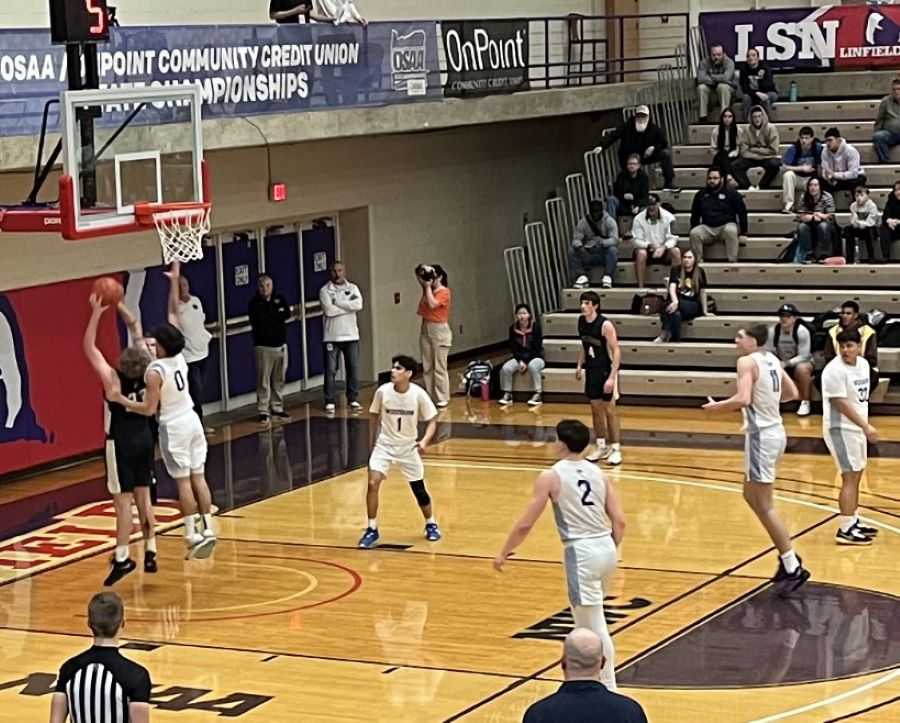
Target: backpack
column 648, row 304
column 477, row 372
column 788, row 252
column 889, row 333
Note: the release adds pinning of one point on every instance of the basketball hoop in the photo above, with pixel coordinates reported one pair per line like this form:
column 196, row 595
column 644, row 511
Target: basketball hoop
column 181, row 227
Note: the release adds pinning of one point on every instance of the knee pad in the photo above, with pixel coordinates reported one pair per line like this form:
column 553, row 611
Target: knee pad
column 421, row 495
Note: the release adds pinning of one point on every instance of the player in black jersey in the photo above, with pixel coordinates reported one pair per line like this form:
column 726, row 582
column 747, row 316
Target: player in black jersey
column 129, row 441
column 600, row 356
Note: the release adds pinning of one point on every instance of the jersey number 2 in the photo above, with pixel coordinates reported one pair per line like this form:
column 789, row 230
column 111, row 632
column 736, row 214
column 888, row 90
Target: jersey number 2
column 179, row 380
column 586, row 486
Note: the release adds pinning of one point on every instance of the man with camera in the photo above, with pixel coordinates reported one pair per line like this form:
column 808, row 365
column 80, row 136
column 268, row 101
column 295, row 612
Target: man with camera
column 341, row 300
column 436, row 337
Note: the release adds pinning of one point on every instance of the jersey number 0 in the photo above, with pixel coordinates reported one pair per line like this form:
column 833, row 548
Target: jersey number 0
column 179, row 380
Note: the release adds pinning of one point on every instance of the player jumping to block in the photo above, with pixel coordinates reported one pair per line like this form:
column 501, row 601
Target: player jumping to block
column 397, row 408
column 129, row 441
column 182, row 439
column 762, row 384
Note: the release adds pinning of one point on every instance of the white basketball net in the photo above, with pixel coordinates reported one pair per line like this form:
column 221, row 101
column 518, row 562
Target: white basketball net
column 181, row 233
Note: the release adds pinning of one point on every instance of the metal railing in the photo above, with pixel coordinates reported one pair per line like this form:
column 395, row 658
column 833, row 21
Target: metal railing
column 544, row 257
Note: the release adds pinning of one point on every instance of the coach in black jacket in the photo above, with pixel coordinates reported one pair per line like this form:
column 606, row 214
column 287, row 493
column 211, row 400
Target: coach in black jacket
column 717, row 214
column 642, row 136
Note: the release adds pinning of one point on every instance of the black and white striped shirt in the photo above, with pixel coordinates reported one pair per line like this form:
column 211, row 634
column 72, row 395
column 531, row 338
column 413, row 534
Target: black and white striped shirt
column 100, row 683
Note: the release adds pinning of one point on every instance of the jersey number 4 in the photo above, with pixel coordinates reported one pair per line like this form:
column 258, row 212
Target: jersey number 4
column 179, row 380
column 586, row 486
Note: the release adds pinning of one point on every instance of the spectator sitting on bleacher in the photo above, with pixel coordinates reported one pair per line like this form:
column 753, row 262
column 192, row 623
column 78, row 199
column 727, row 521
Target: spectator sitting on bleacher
column 890, row 222
column 868, row 347
column 654, row 239
column 758, row 144
column 686, row 298
column 863, row 228
column 718, row 213
column 642, row 136
column 801, row 162
column 339, row 12
column 757, row 85
column 815, row 219
column 715, row 74
column 285, row 12
column 840, row 170
column 887, row 124
column 630, row 190
column 724, row 144
column 791, row 342
column 595, row 242
column 527, row 346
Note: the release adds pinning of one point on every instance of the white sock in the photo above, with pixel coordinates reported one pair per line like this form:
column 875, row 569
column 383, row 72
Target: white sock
column 431, row 521
column 617, row 447
column 847, row 521
column 190, row 528
column 150, row 544
column 207, row 521
column 790, row 561
column 121, row 553
column 373, row 523
column 601, row 442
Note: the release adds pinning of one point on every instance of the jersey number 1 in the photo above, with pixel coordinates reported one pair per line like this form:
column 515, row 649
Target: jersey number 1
column 179, row 380
column 776, row 380
column 584, row 484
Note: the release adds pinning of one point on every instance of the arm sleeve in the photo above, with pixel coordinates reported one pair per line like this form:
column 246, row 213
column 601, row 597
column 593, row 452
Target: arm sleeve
column 442, row 297
column 871, row 354
column 643, row 194
column 286, row 311
column 62, row 680
column 330, row 309
column 671, row 237
column 804, row 346
column 828, row 202
column 741, row 209
column 882, row 115
column 514, row 347
column 251, row 312
column 579, row 234
column 662, row 141
column 852, row 166
column 537, row 340
column 744, row 79
column 618, row 185
column 139, row 689
column 427, row 410
column 695, row 210
column 714, row 139
column 854, row 218
column 728, row 72
column 789, row 155
column 774, row 141
column 827, row 161
column 743, row 141
column 612, row 136
column 611, row 228
column 639, row 233
column 833, row 386
column 375, row 406
column 703, row 74
column 351, row 304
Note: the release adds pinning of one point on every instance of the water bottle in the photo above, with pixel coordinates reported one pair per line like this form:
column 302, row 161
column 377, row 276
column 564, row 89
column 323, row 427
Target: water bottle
column 485, row 390
column 792, row 92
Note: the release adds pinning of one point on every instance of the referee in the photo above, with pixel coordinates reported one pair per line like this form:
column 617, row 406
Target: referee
column 100, row 684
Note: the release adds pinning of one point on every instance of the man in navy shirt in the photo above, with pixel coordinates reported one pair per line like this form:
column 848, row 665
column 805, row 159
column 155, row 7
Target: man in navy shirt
column 583, row 698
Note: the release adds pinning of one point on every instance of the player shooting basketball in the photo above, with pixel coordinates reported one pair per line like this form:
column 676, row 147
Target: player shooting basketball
column 129, row 439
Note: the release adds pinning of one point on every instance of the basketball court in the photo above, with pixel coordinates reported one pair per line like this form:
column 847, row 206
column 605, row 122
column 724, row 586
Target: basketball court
column 290, row 621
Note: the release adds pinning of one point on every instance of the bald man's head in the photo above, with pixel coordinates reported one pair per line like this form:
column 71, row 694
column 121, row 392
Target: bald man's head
column 582, row 654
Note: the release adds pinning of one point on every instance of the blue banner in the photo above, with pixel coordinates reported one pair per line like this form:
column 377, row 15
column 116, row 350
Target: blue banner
column 242, row 69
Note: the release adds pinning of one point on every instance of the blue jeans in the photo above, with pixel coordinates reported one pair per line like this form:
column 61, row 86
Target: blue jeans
column 350, row 351
column 883, row 142
column 581, row 260
column 805, row 232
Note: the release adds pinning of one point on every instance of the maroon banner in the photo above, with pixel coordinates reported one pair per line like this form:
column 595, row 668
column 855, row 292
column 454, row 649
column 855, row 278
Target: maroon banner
column 51, row 402
column 832, row 37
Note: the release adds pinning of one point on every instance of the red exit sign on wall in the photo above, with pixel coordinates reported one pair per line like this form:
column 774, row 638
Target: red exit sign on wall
column 278, row 192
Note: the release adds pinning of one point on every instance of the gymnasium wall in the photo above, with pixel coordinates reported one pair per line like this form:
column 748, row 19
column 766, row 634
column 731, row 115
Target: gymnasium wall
column 456, row 197
column 34, row 14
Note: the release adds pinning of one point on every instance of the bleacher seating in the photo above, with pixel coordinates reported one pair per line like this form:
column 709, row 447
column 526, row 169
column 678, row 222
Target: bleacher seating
column 747, row 292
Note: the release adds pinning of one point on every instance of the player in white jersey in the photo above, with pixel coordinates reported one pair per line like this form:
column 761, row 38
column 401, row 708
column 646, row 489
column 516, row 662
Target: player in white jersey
column 762, row 385
column 182, row 440
column 394, row 416
column 845, row 426
column 590, row 523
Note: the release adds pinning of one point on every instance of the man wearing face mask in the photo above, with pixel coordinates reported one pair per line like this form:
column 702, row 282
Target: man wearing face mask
column 642, row 137
column 595, row 242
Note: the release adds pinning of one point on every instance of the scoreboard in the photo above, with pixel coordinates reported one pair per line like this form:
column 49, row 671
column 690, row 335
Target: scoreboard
column 79, row 21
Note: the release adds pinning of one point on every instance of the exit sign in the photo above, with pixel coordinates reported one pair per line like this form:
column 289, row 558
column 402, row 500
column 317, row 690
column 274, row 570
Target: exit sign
column 278, row 192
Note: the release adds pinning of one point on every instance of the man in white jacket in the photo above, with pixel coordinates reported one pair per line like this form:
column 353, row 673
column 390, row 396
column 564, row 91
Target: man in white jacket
column 654, row 239
column 341, row 300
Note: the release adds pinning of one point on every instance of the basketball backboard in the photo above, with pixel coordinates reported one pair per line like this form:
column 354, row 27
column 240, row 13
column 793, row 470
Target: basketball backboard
column 123, row 146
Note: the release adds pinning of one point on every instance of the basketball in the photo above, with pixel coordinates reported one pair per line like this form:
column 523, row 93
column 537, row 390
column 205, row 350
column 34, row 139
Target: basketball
column 109, row 290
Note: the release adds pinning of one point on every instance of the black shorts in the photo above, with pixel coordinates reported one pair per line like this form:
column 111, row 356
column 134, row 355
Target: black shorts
column 128, row 466
column 792, row 371
column 665, row 259
column 594, row 380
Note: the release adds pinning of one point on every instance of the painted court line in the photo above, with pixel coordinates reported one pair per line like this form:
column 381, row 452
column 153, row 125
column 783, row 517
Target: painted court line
column 733, row 490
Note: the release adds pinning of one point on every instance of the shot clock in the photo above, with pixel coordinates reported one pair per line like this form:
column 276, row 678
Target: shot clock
column 79, row 21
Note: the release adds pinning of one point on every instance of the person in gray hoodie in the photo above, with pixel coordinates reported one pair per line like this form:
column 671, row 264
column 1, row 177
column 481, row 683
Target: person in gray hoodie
column 887, row 124
column 595, row 242
column 840, row 170
column 715, row 74
column 758, row 147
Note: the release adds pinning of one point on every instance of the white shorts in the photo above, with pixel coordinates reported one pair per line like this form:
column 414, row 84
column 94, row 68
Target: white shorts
column 182, row 443
column 848, row 448
column 410, row 463
column 588, row 564
column 762, row 451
